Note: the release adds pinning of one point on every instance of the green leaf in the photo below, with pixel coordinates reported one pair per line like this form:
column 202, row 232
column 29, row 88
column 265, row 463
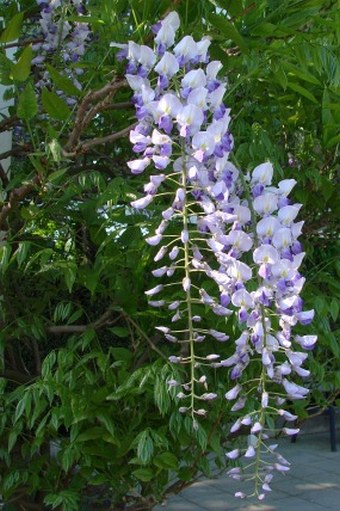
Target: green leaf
column 337, row 383
column 145, row 446
column 301, row 90
column 333, row 141
column 334, row 309
column 270, row 423
column 303, row 74
column 108, row 423
column 62, row 82
column 68, row 499
column 161, row 395
column 97, row 479
column 37, row 327
column 122, row 354
column 281, row 77
column 300, row 17
column 202, row 436
column 53, row 500
column 320, row 305
column 27, row 103
column 5, row 254
column 205, row 466
column 120, row 331
column 166, row 460
column 68, row 457
column 90, row 279
column 144, row 474
column 47, row 364
column 5, row 69
column 233, row 8
column 334, row 345
column 12, row 438
column 55, row 176
column 20, row 408
column 36, row 162
column 10, row 481
column 228, row 29
column 62, row 311
column 70, row 274
column 22, row 251
column 331, row 106
column 21, row 70
column 55, row 149
column 264, row 29
column 88, row 336
column 91, row 434
column 185, row 474
column 54, row 105
column 12, row 31
column 216, row 443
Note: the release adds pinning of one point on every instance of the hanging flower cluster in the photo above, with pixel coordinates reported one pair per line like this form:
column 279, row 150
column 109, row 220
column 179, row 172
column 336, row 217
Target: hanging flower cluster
column 232, row 228
column 69, row 40
column 268, row 315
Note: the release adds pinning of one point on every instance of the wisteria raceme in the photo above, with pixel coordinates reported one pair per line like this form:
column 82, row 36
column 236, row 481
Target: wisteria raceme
column 235, row 229
column 69, row 40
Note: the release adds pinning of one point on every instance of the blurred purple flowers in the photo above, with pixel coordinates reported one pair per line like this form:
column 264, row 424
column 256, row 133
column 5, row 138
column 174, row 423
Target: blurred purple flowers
column 67, row 39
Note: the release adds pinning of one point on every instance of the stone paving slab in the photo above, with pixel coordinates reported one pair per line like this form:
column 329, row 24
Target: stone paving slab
column 313, row 484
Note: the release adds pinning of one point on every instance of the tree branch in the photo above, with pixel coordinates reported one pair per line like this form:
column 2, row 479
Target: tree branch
column 106, row 95
column 24, row 43
column 8, row 122
column 16, row 376
column 3, row 176
column 16, row 151
column 119, row 106
column 67, row 329
column 104, row 320
column 146, row 337
column 92, row 103
column 16, row 196
column 85, row 146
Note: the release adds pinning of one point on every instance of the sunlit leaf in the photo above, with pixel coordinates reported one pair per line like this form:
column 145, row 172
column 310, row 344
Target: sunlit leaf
column 13, row 28
column 54, row 105
column 27, row 104
column 21, row 70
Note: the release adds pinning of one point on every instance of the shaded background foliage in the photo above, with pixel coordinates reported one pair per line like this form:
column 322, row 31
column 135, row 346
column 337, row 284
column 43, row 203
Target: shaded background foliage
column 82, row 372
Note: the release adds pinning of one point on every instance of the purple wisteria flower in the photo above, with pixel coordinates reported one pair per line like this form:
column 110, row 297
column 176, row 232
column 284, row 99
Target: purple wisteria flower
column 237, row 230
column 67, row 40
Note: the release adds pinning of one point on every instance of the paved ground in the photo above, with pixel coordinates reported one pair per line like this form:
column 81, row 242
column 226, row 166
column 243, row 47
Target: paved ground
column 312, row 484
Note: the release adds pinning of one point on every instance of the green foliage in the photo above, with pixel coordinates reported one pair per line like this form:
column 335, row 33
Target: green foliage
column 61, row 82
column 82, row 388
column 27, row 103
column 13, row 28
column 21, row 70
column 54, row 106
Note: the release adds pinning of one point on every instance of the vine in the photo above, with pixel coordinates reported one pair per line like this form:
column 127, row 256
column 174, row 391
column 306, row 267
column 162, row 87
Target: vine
column 232, row 218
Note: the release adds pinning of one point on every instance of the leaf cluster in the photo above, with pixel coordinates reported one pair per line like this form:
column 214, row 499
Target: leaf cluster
column 82, row 380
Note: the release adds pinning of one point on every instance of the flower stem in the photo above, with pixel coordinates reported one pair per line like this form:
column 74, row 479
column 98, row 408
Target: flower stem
column 262, row 379
column 190, row 328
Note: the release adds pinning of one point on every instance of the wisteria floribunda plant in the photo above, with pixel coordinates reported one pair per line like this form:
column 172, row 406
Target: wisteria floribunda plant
column 67, row 40
column 236, row 230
